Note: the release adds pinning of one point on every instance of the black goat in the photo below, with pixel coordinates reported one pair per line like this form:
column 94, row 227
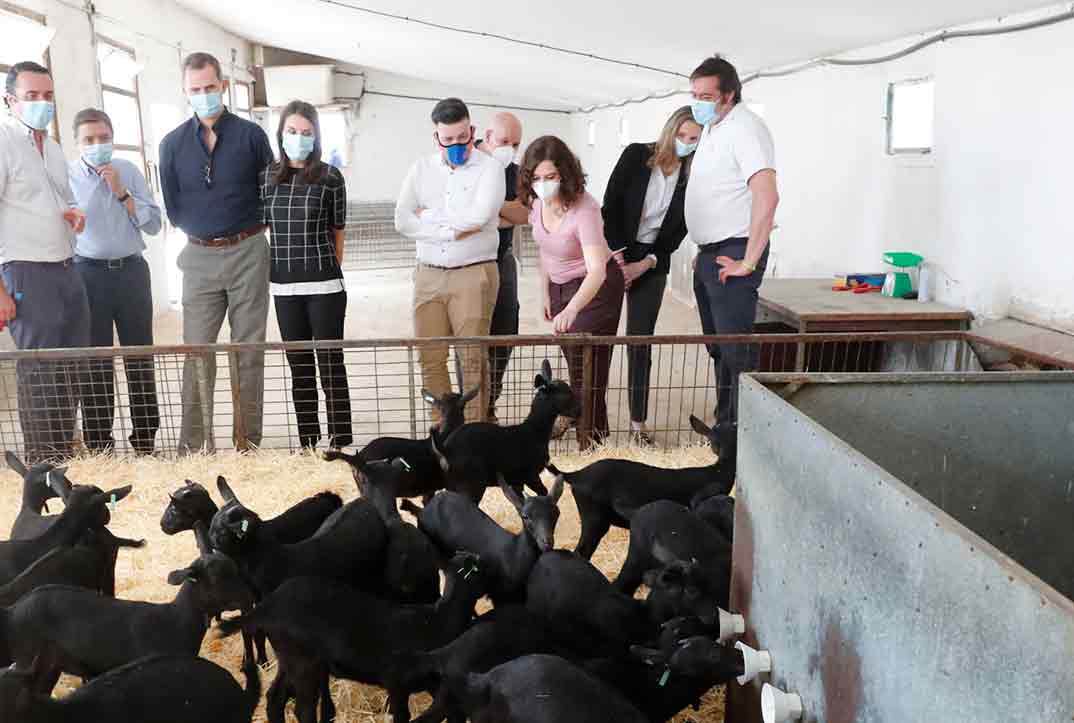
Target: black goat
column 319, row 627
column 74, row 630
column 542, row 689
column 349, row 546
column 163, row 689
column 411, row 572
column 610, row 491
column 506, row 633
column 425, row 475
column 87, row 509
column 719, row 511
column 662, row 683
column 78, row 566
column 480, row 455
column 664, row 532
column 40, row 483
column 454, row 522
column 192, row 508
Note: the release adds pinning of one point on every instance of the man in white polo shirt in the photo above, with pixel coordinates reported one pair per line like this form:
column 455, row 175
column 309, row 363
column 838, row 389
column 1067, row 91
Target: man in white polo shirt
column 450, row 205
column 730, row 208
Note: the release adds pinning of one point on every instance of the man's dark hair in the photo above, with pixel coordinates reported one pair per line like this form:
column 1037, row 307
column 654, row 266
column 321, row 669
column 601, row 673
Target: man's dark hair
column 91, row 115
column 450, row 110
column 26, row 66
column 717, row 67
column 198, row 61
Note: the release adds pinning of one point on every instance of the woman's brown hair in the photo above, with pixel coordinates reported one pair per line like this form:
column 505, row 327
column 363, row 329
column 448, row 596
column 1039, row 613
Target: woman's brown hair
column 664, row 155
column 571, row 176
column 314, row 170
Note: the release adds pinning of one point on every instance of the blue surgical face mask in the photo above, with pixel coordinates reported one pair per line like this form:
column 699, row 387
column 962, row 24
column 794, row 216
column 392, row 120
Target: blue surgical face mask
column 297, row 146
column 207, row 105
column 37, row 114
column 704, row 111
column 682, row 150
column 98, row 155
column 457, row 153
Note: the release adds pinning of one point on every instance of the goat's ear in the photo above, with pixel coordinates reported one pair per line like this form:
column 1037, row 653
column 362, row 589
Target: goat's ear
column 225, row 490
column 115, row 495
column 649, row 656
column 471, row 394
column 178, row 577
column 511, row 494
column 539, row 382
column 428, row 396
column 15, row 463
column 546, row 371
column 57, row 480
column 459, row 378
column 557, row 490
column 699, row 426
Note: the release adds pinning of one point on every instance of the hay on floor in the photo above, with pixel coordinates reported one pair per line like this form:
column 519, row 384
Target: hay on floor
column 270, row 482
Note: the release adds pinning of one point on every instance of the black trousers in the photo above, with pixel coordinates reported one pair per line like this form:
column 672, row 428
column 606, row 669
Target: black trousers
column 643, row 299
column 504, row 323
column 312, row 318
column 119, row 296
column 52, row 313
column 729, row 308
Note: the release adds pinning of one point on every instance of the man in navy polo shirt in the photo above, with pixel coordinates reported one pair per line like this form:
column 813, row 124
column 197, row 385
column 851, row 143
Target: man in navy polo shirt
column 209, row 170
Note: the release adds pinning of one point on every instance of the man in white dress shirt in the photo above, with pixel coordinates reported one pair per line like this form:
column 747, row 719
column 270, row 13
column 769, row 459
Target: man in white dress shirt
column 730, row 209
column 450, row 205
column 42, row 297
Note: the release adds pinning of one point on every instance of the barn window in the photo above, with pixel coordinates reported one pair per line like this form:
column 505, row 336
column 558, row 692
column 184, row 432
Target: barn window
column 120, row 99
column 911, row 116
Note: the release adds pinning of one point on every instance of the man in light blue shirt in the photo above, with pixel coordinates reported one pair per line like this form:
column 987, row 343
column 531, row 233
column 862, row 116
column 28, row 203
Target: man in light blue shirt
column 119, row 208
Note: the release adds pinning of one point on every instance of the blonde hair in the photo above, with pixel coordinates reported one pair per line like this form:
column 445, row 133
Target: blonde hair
column 664, row 156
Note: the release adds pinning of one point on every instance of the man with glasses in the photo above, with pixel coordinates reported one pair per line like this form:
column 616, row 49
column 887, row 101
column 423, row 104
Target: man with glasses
column 209, row 170
column 450, row 205
column 42, row 298
column 119, row 208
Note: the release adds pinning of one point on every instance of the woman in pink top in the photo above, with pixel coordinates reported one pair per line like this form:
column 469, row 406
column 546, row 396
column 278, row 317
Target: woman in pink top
column 581, row 283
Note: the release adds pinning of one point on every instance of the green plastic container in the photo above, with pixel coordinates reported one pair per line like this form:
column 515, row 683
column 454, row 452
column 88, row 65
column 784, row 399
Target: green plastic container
column 900, row 283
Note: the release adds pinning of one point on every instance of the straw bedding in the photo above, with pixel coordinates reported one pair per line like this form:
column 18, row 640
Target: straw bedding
column 269, row 482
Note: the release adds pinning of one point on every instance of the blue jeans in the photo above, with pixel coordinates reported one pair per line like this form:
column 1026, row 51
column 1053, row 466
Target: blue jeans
column 729, row 308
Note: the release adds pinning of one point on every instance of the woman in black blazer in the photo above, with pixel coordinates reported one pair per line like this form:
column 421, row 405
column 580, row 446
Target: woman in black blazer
column 643, row 215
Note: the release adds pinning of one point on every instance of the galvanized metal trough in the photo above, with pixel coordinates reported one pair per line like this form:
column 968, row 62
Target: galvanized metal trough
column 904, row 545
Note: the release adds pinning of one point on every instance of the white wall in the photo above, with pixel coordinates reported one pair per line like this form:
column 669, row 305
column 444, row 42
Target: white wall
column 390, row 133
column 152, row 28
column 989, row 207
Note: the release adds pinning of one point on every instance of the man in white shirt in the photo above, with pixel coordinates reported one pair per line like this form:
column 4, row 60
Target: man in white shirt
column 450, row 205
column 730, row 208
column 42, row 297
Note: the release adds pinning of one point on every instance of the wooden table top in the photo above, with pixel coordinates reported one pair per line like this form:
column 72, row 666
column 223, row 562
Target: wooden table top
column 812, row 300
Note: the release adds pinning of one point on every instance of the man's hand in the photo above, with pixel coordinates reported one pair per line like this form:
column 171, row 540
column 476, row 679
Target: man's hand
column 564, row 320
column 111, row 177
column 419, row 211
column 633, row 271
column 75, row 219
column 730, row 267
column 463, row 235
column 7, row 307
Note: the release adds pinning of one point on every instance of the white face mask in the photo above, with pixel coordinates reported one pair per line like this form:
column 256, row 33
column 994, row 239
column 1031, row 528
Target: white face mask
column 504, row 154
column 546, row 190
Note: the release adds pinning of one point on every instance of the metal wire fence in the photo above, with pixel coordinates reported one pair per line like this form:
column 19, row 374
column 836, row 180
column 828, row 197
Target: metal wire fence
column 147, row 399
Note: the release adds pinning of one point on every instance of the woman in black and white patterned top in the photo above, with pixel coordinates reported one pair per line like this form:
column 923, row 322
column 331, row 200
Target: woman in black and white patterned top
column 305, row 207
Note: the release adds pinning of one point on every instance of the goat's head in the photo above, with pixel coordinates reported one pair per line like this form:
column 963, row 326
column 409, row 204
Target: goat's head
column 219, row 584
column 678, row 589
column 451, row 407
column 723, row 439
column 555, row 395
column 234, row 524
column 380, row 477
column 89, row 506
column 680, row 628
column 539, row 513
column 693, row 657
column 187, row 505
column 466, row 568
column 41, row 482
column 718, row 511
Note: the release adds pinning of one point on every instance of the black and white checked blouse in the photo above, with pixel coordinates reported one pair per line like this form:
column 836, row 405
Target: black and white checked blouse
column 302, row 219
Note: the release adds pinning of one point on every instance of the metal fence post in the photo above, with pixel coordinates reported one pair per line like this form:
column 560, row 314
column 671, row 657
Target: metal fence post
column 242, row 444
column 585, row 426
column 413, row 392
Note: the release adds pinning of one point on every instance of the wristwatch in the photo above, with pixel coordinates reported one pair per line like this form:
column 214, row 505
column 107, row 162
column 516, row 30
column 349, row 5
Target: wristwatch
column 125, row 197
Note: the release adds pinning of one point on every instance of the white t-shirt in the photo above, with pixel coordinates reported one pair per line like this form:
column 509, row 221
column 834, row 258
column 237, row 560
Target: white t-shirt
column 657, row 202
column 729, row 154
